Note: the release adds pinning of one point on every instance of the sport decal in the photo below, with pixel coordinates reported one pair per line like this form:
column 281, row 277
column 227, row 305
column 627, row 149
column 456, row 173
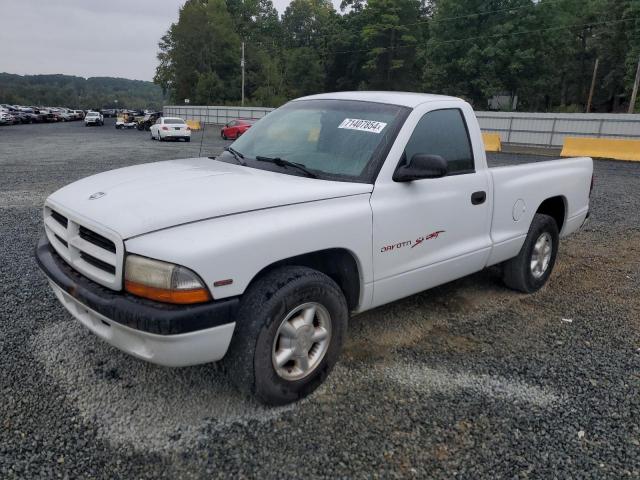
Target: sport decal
column 428, row 237
column 362, row 125
column 411, row 243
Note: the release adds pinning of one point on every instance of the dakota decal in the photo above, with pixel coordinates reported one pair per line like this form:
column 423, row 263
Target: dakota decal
column 411, row 243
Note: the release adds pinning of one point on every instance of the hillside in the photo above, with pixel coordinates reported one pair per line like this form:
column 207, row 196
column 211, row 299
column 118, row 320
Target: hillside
column 78, row 92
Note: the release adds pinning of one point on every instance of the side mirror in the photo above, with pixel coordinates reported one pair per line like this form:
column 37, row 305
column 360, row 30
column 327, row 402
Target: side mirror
column 421, row 166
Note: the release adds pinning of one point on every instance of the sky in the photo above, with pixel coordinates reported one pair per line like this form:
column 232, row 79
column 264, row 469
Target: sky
column 87, row 38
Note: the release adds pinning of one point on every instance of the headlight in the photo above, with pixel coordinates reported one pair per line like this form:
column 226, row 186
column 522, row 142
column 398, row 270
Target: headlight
column 162, row 281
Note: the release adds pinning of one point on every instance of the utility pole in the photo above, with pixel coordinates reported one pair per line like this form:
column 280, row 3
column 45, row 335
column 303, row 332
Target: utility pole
column 593, row 84
column 242, row 65
column 634, row 93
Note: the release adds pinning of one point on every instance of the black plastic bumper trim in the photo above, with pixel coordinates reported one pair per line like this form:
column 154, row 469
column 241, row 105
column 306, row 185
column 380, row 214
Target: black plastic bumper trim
column 129, row 310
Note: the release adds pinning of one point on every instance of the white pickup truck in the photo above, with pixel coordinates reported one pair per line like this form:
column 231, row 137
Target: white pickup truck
column 329, row 206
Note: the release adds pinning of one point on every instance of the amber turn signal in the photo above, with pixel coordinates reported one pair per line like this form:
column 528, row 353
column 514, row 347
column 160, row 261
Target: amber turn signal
column 197, row 295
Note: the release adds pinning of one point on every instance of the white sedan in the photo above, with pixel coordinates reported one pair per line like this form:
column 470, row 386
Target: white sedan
column 93, row 118
column 170, row 128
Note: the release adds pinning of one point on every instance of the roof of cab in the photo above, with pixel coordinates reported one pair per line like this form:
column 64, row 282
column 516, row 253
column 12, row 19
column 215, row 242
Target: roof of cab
column 405, row 99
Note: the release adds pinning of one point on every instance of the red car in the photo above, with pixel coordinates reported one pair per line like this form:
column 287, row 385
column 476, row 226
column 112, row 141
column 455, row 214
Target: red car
column 235, row 128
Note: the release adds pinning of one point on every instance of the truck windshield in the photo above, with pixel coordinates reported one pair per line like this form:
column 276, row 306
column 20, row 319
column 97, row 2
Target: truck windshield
column 336, row 139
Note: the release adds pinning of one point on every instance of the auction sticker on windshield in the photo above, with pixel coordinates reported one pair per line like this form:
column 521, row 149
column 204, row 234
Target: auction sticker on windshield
column 362, row 125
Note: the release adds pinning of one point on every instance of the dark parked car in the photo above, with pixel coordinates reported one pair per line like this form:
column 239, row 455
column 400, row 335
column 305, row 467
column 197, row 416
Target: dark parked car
column 31, row 113
column 148, row 120
column 42, row 116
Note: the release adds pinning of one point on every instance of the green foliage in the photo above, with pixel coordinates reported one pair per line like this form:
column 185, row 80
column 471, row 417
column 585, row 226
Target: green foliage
column 543, row 51
column 391, row 41
column 77, row 92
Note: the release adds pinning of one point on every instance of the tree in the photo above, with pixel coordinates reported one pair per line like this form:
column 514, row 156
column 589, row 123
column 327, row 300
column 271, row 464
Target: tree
column 201, row 43
column 77, row 92
column 541, row 51
column 308, row 27
column 391, row 33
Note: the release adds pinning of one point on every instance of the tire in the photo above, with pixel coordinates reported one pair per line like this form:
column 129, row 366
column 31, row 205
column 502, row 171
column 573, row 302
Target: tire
column 286, row 293
column 521, row 273
column 160, row 139
column 188, row 139
column 224, row 137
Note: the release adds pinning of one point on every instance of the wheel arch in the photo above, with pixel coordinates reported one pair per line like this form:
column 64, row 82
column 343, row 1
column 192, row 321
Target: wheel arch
column 339, row 264
column 556, row 208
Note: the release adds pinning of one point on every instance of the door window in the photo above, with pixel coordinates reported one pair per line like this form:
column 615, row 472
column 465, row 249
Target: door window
column 443, row 132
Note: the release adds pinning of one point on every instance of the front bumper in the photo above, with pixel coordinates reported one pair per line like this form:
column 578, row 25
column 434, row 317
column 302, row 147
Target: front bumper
column 169, row 335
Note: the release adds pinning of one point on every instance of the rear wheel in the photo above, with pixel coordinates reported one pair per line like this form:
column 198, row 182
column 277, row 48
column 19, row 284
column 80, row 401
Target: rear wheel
column 530, row 270
column 290, row 328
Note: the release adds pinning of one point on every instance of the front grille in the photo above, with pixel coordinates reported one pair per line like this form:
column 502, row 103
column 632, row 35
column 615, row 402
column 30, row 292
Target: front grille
column 98, row 263
column 62, row 220
column 91, row 253
column 97, row 239
column 62, row 241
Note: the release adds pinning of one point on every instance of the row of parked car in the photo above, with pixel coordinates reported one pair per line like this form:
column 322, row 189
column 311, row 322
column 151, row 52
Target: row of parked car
column 13, row 114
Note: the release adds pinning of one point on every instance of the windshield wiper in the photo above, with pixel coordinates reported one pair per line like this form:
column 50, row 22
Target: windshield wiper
column 236, row 155
column 281, row 162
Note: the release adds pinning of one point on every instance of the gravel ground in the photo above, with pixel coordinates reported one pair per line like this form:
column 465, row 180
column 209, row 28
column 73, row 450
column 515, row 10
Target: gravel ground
column 468, row 380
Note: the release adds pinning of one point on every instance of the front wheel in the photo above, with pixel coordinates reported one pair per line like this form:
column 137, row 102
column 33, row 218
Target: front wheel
column 530, row 270
column 290, row 329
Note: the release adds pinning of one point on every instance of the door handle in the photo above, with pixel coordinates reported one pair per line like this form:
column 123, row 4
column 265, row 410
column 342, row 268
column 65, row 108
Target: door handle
column 478, row 197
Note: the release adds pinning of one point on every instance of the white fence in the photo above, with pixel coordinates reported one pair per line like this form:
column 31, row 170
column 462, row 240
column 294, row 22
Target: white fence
column 550, row 129
column 538, row 129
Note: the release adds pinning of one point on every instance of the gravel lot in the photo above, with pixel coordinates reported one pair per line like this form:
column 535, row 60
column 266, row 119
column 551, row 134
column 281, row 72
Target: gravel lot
column 468, row 380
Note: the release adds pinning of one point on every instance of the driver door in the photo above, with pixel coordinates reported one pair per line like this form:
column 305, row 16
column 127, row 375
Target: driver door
column 429, row 231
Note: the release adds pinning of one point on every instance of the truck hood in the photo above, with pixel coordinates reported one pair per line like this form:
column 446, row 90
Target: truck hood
column 135, row 200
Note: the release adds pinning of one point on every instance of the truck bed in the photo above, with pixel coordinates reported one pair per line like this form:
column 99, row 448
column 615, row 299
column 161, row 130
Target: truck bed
column 520, row 185
column 495, row 159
